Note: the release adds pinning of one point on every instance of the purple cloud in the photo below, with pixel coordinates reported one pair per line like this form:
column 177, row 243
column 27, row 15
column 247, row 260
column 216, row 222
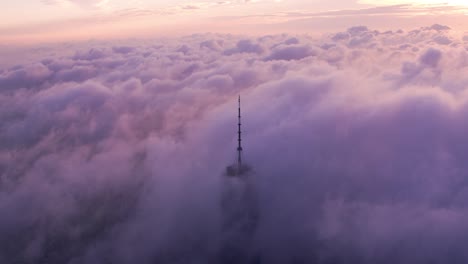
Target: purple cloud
column 115, row 153
column 24, row 76
column 291, row 52
column 245, row 46
column 431, row 57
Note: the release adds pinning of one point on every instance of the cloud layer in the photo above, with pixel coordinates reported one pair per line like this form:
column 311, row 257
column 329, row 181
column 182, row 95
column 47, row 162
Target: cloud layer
column 115, row 154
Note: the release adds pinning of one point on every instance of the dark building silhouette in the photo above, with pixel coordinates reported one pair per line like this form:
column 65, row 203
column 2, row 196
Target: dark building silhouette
column 239, row 169
column 240, row 213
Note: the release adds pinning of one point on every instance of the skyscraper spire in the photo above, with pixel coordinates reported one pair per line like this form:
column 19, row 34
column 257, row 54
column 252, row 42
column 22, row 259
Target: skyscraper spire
column 239, row 148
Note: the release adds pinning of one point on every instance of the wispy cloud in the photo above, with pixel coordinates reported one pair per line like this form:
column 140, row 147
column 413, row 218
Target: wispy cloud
column 397, row 10
column 87, row 4
column 461, row 3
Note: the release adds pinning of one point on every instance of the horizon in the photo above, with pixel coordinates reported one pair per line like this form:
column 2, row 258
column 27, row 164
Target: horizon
column 27, row 22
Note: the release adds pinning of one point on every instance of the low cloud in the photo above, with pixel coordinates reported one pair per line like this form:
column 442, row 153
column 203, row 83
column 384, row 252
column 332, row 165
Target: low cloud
column 115, row 153
column 245, row 46
column 291, row 52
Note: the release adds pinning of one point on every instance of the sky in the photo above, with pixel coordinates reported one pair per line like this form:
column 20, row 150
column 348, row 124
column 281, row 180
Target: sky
column 32, row 21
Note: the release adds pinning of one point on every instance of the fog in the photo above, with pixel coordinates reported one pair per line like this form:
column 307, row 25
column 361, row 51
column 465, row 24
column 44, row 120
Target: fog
column 357, row 142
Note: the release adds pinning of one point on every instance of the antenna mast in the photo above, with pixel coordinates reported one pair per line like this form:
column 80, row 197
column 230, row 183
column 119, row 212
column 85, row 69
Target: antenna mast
column 239, row 148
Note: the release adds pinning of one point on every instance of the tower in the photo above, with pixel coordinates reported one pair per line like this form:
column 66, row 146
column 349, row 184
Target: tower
column 239, row 147
column 240, row 211
column 238, row 169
